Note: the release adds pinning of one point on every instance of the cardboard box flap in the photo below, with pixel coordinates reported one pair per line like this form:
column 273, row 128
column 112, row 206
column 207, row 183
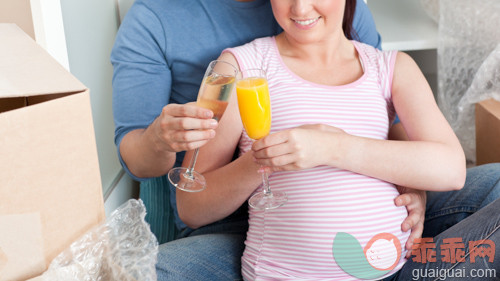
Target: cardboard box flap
column 50, row 183
column 49, row 167
column 487, row 132
column 28, row 70
column 492, row 106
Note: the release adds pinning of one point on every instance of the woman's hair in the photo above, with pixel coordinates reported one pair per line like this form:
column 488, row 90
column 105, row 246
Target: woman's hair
column 350, row 8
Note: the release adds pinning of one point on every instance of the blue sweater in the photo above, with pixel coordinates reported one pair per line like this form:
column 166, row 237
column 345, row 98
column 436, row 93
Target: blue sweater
column 163, row 47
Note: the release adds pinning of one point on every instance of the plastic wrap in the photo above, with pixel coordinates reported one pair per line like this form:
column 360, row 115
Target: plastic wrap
column 468, row 63
column 121, row 249
column 485, row 85
column 431, row 7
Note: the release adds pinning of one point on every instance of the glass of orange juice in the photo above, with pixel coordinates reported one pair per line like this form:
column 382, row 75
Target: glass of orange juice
column 254, row 105
column 214, row 93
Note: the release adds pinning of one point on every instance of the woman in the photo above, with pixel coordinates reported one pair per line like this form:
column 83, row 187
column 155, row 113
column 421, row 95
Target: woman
column 331, row 155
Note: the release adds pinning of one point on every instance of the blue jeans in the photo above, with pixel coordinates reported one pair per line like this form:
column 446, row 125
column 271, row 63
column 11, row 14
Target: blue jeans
column 482, row 225
column 213, row 252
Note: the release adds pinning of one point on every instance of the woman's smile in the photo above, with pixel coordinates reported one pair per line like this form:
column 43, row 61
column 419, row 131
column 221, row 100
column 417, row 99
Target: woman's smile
column 306, row 24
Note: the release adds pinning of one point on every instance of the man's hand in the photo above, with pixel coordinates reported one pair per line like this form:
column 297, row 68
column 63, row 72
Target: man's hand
column 183, row 127
column 151, row 152
column 415, row 202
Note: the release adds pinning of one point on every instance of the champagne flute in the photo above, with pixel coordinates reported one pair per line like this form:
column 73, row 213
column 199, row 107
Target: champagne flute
column 255, row 110
column 214, row 93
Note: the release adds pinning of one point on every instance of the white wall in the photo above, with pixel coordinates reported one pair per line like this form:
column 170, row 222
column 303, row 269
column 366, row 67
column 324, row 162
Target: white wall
column 90, row 27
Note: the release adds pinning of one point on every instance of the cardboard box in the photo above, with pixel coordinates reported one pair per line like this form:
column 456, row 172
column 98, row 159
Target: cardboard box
column 487, row 132
column 20, row 13
column 50, row 184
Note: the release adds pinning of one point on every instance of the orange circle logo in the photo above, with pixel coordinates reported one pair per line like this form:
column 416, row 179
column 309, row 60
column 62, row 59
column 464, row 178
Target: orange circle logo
column 383, row 251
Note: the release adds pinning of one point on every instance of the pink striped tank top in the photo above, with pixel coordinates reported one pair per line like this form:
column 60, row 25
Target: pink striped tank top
column 297, row 240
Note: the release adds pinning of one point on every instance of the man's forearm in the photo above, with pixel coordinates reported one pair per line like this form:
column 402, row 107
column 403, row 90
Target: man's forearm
column 141, row 156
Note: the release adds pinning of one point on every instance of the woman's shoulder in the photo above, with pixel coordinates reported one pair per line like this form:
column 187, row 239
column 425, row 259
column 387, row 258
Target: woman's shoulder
column 370, row 50
column 259, row 43
column 382, row 60
column 257, row 49
column 255, row 54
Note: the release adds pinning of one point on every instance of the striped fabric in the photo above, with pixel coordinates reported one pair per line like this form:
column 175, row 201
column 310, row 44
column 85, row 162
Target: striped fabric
column 294, row 242
column 155, row 193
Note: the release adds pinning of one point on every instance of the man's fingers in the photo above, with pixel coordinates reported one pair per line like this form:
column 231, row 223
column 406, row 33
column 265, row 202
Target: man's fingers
column 403, row 199
column 187, row 110
column 186, row 146
column 414, row 201
column 192, row 136
column 415, row 234
column 410, row 222
column 187, row 123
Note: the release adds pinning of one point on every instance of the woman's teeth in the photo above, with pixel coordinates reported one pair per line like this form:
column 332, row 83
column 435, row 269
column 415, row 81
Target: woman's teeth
column 306, row 22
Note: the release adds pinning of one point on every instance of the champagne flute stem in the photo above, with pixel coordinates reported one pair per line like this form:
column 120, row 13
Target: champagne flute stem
column 189, row 172
column 190, row 169
column 265, row 182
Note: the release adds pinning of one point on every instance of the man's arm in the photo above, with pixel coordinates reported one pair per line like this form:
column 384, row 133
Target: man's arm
column 149, row 131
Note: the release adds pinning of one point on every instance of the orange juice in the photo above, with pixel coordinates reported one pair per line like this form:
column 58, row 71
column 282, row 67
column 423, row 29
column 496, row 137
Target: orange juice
column 255, row 106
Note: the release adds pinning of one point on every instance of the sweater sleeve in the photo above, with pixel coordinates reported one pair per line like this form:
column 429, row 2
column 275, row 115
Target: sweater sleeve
column 141, row 75
column 364, row 25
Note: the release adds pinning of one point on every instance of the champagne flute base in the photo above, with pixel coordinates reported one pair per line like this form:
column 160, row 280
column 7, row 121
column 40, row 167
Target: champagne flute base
column 262, row 201
column 190, row 182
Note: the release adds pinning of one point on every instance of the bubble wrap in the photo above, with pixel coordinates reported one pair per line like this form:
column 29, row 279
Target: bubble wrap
column 431, row 7
column 468, row 63
column 121, row 249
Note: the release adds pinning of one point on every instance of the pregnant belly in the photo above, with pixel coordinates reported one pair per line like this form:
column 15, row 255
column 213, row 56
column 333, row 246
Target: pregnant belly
column 306, row 232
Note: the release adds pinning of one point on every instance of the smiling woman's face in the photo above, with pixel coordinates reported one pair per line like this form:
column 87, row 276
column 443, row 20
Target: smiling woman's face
column 309, row 20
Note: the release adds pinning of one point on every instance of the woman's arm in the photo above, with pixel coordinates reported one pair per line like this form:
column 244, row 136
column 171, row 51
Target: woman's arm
column 413, row 199
column 432, row 160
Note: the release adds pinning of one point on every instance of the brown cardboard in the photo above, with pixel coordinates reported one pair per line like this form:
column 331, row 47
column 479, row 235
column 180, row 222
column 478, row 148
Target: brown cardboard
column 487, row 132
column 48, row 157
column 18, row 12
column 22, row 248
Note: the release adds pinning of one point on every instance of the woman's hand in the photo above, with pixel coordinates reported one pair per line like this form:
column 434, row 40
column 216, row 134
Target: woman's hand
column 183, row 127
column 298, row 148
column 415, row 202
